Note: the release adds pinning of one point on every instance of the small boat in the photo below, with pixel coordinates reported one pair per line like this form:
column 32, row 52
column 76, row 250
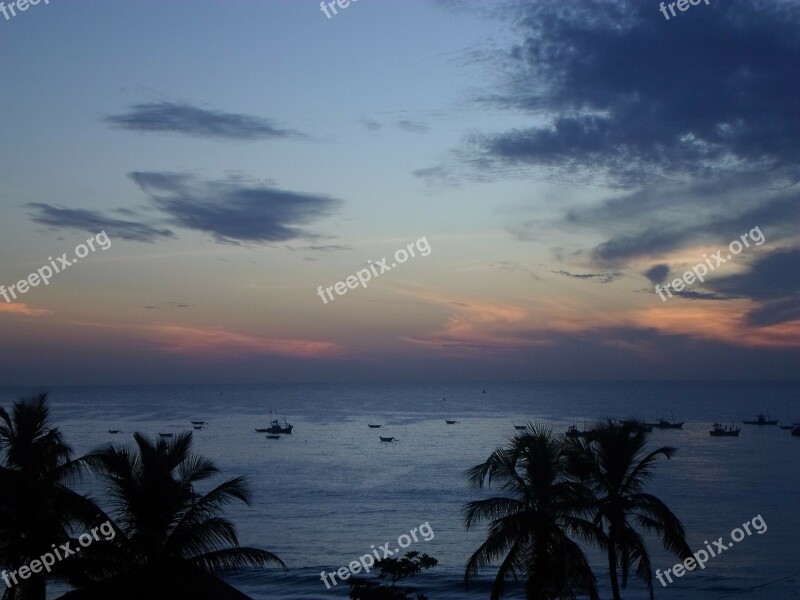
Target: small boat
column 796, row 431
column 275, row 427
column 386, row 439
column 113, row 431
column 762, row 420
column 720, row 431
column 199, row 422
column 197, row 426
column 792, row 426
column 664, row 424
column 166, row 435
column 574, row 432
column 520, row 427
column 273, row 436
column 449, row 422
column 374, row 426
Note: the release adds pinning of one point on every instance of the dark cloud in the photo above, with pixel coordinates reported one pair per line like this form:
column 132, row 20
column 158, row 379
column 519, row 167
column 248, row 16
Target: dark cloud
column 773, row 281
column 657, row 273
column 611, row 87
column 775, row 275
column 600, row 277
column 234, row 210
column 657, row 220
column 95, row 222
column 185, row 119
column 775, row 312
column 692, row 295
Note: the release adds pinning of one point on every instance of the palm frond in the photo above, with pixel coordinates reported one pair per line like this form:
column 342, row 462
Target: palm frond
column 236, row 558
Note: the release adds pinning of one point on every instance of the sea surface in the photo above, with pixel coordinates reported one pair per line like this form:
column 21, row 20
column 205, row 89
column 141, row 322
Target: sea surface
column 330, row 491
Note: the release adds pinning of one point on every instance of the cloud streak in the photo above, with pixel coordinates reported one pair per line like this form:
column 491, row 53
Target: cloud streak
column 599, row 277
column 185, row 119
column 93, row 221
column 233, row 210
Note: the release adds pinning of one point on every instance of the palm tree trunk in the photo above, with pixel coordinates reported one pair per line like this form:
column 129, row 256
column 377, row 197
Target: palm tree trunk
column 612, row 567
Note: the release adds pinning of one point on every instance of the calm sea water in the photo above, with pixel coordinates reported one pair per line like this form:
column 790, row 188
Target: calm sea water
column 327, row 493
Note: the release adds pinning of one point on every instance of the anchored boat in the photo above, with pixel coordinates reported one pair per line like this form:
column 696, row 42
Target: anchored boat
column 720, row 431
column 276, row 427
column 762, row 420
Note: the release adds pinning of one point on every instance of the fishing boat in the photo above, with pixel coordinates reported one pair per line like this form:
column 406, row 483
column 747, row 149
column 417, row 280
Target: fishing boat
column 374, row 426
column 762, row 420
column 199, row 422
column 276, row 427
column 664, row 424
column 386, row 439
column 264, row 430
column 574, row 432
column 453, row 422
column 720, row 431
column 520, row 427
column 113, row 431
column 273, row 436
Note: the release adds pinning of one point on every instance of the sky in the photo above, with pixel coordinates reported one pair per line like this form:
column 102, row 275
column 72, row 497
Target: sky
column 549, row 162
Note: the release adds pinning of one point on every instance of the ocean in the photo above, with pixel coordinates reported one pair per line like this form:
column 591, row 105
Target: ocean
column 331, row 491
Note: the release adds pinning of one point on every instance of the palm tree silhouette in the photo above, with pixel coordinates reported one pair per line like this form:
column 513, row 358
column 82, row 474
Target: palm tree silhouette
column 532, row 525
column 170, row 540
column 37, row 508
column 613, row 461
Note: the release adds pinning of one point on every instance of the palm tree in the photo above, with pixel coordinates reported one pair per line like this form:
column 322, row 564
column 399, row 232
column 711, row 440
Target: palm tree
column 533, row 523
column 168, row 536
column 613, row 461
column 37, row 508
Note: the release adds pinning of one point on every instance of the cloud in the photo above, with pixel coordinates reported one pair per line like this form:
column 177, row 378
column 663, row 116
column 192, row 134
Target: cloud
column 324, row 248
column 657, row 273
column 19, row 308
column 773, row 276
column 658, row 342
column 775, row 312
column 600, row 277
column 659, row 219
column 773, row 281
column 404, row 124
column 234, row 210
column 94, row 222
column 371, row 124
column 613, row 89
column 217, row 341
column 693, row 295
column 412, row 126
column 185, row 119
